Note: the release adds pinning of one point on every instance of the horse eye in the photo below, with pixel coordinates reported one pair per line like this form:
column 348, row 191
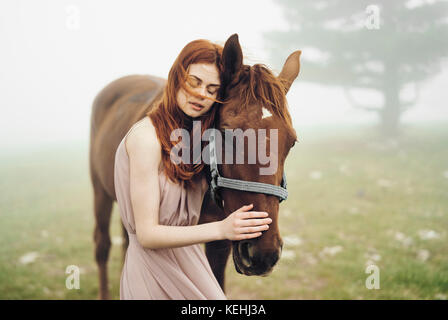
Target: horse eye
column 293, row 144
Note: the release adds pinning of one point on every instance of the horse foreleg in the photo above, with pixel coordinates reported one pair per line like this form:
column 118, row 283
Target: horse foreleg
column 103, row 210
column 217, row 254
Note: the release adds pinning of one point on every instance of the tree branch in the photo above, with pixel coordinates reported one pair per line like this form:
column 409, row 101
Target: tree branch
column 357, row 105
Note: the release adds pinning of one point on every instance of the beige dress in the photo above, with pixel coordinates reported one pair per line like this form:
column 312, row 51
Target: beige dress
column 172, row 273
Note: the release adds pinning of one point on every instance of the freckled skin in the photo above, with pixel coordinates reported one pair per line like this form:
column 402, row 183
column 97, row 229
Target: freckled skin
column 209, row 76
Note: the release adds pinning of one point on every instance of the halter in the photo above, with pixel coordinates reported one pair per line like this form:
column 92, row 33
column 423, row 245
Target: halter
column 217, row 181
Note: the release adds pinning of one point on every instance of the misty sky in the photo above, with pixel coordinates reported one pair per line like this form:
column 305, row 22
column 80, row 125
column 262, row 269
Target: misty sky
column 55, row 56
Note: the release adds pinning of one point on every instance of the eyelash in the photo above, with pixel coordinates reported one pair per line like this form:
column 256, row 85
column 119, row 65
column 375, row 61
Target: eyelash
column 195, row 83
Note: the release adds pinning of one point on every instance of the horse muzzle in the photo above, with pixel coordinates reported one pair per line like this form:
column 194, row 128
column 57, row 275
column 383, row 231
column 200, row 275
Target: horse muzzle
column 251, row 260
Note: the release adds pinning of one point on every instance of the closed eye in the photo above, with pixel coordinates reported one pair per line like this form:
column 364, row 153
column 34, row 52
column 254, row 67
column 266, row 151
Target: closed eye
column 196, row 82
column 213, row 91
column 193, row 82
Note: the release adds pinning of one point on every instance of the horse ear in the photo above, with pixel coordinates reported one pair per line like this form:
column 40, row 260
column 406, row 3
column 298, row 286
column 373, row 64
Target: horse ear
column 290, row 70
column 232, row 57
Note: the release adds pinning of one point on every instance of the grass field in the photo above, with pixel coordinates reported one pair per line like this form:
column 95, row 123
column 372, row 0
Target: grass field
column 355, row 199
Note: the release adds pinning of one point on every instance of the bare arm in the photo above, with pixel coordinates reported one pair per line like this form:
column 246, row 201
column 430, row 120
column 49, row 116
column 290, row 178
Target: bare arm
column 144, row 152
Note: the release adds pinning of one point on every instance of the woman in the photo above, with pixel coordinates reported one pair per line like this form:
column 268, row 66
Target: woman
column 160, row 201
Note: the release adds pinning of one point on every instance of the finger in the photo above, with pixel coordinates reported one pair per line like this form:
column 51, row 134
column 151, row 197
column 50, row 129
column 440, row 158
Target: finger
column 241, row 211
column 246, row 207
column 253, row 229
column 245, row 236
column 255, row 222
column 253, row 214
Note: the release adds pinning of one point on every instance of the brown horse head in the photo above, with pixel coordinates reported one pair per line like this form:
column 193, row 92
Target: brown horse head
column 255, row 99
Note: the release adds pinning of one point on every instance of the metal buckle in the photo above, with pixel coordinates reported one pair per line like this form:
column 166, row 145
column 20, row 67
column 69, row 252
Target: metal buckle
column 214, row 188
column 214, row 179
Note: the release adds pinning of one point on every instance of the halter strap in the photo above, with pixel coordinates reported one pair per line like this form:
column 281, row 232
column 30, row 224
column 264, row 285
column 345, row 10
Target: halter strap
column 217, row 181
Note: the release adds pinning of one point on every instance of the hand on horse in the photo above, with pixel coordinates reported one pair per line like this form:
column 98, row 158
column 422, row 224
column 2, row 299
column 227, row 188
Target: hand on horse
column 244, row 224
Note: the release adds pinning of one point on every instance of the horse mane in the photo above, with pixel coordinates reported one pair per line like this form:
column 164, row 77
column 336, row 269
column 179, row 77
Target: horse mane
column 257, row 83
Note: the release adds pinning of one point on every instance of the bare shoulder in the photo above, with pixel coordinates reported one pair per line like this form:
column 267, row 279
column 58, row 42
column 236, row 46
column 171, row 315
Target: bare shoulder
column 142, row 141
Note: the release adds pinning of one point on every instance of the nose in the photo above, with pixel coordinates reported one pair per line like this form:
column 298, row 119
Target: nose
column 202, row 90
column 258, row 259
column 245, row 249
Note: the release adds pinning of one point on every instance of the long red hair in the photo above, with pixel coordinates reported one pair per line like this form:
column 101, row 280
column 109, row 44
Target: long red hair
column 167, row 115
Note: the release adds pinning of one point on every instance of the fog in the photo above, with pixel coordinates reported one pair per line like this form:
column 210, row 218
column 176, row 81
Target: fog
column 55, row 56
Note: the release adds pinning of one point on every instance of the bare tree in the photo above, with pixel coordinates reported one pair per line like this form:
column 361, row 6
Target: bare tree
column 378, row 45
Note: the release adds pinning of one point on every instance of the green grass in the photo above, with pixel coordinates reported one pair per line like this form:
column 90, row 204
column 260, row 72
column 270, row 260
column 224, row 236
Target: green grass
column 369, row 191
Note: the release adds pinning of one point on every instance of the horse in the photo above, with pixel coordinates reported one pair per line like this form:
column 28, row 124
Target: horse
column 123, row 102
column 254, row 99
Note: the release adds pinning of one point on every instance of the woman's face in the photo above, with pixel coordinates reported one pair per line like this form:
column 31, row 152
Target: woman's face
column 202, row 79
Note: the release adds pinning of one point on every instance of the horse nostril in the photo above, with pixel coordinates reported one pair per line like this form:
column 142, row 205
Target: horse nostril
column 245, row 249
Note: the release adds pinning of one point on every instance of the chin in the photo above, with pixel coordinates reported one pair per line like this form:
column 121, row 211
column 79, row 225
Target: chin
column 190, row 113
column 194, row 114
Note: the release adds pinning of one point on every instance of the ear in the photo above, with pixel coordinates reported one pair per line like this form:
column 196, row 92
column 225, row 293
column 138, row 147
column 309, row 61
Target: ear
column 232, row 57
column 291, row 69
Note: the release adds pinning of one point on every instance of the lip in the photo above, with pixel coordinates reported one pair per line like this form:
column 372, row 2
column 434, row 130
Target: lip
column 195, row 107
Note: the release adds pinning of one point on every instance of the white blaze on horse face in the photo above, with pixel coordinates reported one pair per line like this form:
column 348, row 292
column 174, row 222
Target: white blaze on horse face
column 266, row 113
